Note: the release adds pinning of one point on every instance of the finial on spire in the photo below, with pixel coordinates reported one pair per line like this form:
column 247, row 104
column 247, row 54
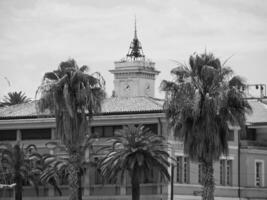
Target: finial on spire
column 135, row 50
column 135, row 30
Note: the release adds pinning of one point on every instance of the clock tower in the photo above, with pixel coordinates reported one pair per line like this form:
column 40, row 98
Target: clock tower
column 134, row 75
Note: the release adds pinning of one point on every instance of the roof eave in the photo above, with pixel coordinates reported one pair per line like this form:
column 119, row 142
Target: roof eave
column 103, row 113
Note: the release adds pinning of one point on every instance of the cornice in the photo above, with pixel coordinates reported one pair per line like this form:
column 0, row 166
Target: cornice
column 97, row 120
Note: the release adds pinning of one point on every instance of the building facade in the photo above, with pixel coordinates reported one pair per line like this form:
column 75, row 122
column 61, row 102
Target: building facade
column 239, row 175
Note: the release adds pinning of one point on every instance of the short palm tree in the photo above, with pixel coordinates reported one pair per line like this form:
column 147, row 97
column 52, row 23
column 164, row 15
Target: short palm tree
column 14, row 98
column 16, row 166
column 39, row 167
column 137, row 151
column 56, row 166
column 201, row 102
column 73, row 95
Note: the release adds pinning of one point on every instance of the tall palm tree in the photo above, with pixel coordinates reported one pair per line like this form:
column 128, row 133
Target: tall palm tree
column 201, row 102
column 137, row 151
column 73, row 96
column 14, row 98
column 16, row 166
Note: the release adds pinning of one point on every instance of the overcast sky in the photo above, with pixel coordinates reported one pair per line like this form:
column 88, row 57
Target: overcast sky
column 35, row 35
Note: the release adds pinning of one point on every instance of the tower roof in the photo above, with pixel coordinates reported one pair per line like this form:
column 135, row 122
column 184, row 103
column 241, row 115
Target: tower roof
column 135, row 51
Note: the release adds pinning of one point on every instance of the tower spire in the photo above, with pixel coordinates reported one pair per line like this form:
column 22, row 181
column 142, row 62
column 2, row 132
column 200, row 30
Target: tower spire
column 135, row 50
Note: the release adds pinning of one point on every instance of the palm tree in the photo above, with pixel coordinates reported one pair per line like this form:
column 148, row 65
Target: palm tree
column 55, row 166
column 200, row 104
column 137, row 151
column 16, row 167
column 14, row 98
column 73, row 96
column 40, row 166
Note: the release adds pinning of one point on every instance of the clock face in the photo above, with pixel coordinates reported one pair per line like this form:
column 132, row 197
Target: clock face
column 127, row 87
column 147, row 89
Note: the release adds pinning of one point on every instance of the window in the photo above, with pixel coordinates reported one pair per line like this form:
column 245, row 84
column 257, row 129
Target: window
column 116, row 129
column 179, row 169
column 250, row 134
column 150, row 177
column 186, row 170
column 183, row 169
column 36, row 134
column 8, row 135
column 200, row 173
column 98, row 130
column 63, row 178
column 110, row 131
column 105, row 131
column 229, row 175
column 98, row 177
column 231, row 135
column 222, row 172
column 226, row 172
column 152, row 127
column 259, row 173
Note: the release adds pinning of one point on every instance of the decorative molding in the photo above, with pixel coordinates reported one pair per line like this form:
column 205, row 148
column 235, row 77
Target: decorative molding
column 254, row 151
column 229, row 157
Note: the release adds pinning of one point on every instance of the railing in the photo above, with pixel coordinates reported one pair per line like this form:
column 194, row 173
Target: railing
column 94, row 191
column 99, row 190
column 254, row 193
column 117, row 197
column 188, row 191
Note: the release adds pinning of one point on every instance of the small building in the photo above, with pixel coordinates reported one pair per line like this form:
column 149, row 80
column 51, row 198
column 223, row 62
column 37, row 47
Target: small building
column 253, row 153
column 240, row 175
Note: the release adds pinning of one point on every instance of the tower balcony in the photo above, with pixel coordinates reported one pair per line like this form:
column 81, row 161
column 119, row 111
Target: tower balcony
column 143, row 63
column 146, row 66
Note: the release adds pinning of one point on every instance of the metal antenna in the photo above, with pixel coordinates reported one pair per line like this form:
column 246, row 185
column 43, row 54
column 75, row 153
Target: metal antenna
column 135, row 30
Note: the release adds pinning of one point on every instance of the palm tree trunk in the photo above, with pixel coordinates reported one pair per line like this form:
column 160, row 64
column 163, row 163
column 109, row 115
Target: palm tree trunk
column 135, row 185
column 80, row 186
column 208, row 181
column 18, row 178
column 73, row 177
column 18, row 187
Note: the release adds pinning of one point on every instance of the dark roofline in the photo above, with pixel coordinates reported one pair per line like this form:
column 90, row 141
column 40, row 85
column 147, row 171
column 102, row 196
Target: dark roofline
column 256, row 124
column 99, row 114
column 130, row 112
column 256, row 98
column 26, row 117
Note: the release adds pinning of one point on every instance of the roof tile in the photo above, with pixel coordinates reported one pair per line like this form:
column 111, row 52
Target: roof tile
column 259, row 112
column 126, row 105
column 110, row 105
